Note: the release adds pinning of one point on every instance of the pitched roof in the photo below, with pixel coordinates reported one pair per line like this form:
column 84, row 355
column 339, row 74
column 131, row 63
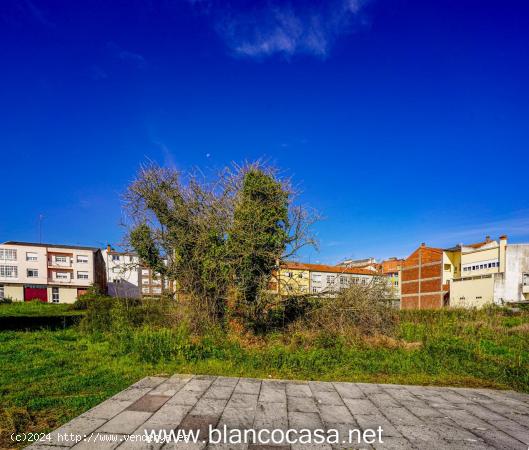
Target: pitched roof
column 391, row 265
column 428, row 255
column 325, row 268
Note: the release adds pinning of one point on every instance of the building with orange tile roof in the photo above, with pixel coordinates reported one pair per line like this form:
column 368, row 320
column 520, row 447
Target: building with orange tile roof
column 297, row 278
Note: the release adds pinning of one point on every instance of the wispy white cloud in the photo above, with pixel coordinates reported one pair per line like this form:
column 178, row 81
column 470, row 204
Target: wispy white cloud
column 516, row 226
column 97, row 73
column 37, row 13
column 19, row 12
column 283, row 28
column 168, row 158
column 133, row 58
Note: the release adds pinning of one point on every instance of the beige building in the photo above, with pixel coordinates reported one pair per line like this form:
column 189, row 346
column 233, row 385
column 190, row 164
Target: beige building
column 488, row 272
column 295, row 278
column 473, row 271
column 48, row 272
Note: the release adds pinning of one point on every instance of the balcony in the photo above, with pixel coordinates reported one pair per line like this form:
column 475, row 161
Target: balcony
column 60, row 280
column 52, row 264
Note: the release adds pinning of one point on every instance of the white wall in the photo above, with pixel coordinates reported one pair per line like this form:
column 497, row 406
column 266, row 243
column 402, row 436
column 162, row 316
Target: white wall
column 320, row 281
column 509, row 287
column 122, row 274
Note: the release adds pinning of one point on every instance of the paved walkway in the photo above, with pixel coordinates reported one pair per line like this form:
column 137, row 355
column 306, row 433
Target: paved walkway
column 410, row 416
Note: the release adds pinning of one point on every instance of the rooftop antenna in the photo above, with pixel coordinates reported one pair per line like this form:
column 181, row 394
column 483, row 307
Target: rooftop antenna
column 41, row 216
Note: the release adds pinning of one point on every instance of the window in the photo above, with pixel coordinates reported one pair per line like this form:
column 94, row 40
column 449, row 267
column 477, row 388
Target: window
column 300, row 275
column 314, row 290
column 60, row 259
column 8, row 271
column 481, row 266
column 8, row 254
column 32, row 273
column 316, row 278
column 115, row 257
column 447, row 266
column 82, row 275
column 289, row 274
column 364, row 281
column 55, row 295
column 157, row 290
column 1, row 291
column 61, row 275
column 145, row 290
column 343, row 280
column 525, row 279
column 145, row 271
column 30, row 256
column 478, row 298
column 145, row 281
column 330, row 279
column 82, row 259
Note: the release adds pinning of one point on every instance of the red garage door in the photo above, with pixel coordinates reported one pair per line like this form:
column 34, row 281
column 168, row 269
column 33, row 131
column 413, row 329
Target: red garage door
column 35, row 293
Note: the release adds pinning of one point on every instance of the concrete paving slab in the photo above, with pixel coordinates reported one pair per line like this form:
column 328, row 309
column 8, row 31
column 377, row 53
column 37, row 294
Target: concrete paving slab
column 409, row 416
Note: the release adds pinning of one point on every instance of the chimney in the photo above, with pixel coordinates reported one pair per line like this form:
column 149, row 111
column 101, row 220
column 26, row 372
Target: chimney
column 503, row 237
column 109, row 248
column 423, row 244
column 487, row 238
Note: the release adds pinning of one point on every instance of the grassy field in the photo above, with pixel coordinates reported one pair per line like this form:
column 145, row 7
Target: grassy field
column 36, row 308
column 49, row 377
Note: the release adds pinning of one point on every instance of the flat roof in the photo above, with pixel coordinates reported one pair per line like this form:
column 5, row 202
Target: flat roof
column 38, row 244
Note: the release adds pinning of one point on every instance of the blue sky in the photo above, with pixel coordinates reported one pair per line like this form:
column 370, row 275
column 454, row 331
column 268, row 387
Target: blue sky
column 403, row 121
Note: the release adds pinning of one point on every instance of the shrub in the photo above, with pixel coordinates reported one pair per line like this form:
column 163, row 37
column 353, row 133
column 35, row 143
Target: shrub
column 81, row 304
column 354, row 312
column 98, row 316
column 123, row 314
column 6, row 301
column 17, row 419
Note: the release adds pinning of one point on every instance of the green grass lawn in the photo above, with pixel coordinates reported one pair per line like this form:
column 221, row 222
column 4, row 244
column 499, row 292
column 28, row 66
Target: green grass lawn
column 49, row 377
column 36, row 308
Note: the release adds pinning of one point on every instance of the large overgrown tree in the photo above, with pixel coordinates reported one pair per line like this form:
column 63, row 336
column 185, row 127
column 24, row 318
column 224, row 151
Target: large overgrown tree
column 259, row 233
column 211, row 236
column 179, row 228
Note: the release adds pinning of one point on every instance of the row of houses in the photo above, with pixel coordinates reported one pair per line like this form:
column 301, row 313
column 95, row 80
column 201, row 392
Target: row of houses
column 61, row 273
column 471, row 275
column 319, row 279
column 466, row 275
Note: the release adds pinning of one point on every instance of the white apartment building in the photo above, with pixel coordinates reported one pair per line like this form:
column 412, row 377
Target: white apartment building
column 123, row 273
column 488, row 272
column 333, row 279
column 49, row 272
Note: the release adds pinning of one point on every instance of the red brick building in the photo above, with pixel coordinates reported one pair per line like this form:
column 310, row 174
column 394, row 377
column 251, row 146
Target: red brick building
column 422, row 280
